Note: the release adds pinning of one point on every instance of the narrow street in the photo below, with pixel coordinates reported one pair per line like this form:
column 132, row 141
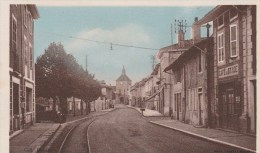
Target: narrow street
column 125, row 130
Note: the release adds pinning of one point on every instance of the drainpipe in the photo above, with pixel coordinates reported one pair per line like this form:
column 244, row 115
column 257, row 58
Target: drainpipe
column 170, row 92
column 22, row 72
column 208, row 56
column 74, row 114
column 185, row 88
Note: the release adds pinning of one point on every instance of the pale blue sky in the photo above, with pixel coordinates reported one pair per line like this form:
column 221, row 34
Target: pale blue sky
column 139, row 26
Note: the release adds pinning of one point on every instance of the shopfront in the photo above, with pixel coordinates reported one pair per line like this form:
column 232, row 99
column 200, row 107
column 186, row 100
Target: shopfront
column 230, row 98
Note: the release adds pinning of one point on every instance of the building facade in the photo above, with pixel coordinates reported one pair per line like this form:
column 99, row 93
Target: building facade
column 234, row 32
column 21, row 66
column 190, row 84
column 106, row 100
column 123, row 84
column 76, row 106
column 166, row 56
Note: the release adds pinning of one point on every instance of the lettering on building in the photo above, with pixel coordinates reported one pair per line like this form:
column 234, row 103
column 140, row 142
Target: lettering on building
column 228, row 71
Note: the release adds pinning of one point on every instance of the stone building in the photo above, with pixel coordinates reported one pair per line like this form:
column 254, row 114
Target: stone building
column 233, row 104
column 123, row 84
column 166, row 56
column 21, row 66
column 191, row 72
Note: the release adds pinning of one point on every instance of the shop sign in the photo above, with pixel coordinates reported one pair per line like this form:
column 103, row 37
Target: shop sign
column 228, row 71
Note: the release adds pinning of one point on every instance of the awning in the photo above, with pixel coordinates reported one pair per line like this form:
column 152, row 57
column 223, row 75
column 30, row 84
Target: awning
column 154, row 94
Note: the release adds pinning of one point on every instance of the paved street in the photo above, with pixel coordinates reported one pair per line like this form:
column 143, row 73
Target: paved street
column 125, row 130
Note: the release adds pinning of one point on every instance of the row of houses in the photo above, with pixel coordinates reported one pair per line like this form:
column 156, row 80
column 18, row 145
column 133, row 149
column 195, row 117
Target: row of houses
column 107, row 98
column 21, row 66
column 209, row 81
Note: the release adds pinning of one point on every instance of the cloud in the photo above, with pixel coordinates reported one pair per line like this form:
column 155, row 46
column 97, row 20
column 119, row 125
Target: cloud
column 105, row 63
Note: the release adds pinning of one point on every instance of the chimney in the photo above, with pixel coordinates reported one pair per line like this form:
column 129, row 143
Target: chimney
column 181, row 38
column 195, row 31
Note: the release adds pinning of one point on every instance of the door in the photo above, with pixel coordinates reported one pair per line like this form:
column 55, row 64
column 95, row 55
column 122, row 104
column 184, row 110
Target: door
column 229, row 110
column 200, row 111
column 16, row 119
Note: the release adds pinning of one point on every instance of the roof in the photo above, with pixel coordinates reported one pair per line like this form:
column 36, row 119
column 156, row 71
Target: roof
column 215, row 12
column 188, row 54
column 156, row 69
column 123, row 77
column 175, row 47
column 34, row 11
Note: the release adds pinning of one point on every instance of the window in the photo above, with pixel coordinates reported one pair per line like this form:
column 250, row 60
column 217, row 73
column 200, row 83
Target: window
column 221, row 49
column 25, row 16
column 79, row 106
column 178, row 75
column 25, row 51
column 14, row 34
column 31, row 56
column 177, row 104
column 233, row 14
column 221, row 21
column 200, row 62
column 30, row 22
column 233, row 41
column 70, row 105
column 28, row 99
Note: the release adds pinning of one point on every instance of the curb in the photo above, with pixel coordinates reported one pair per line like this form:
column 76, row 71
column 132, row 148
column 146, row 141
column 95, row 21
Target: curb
column 141, row 112
column 16, row 134
column 203, row 137
column 44, row 143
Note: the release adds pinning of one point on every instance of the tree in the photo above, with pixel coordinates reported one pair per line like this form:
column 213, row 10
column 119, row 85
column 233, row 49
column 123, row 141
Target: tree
column 59, row 75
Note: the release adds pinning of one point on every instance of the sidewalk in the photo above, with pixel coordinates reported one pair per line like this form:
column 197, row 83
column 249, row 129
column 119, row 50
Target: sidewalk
column 237, row 140
column 31, row 139
column 147, row 112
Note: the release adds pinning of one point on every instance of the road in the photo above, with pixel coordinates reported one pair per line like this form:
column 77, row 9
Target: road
column 126, row 131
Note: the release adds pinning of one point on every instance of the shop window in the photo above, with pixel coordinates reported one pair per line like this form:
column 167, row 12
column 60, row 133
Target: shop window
column 221, row 48
column 233, row 41
column 221, row 21
column 16, row 99
column 28, row 99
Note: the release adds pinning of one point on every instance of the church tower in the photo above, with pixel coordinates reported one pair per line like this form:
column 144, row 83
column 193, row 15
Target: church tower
column 123, row 84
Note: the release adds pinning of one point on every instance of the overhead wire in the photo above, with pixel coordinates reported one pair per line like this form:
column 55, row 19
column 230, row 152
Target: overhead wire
column 101, row 42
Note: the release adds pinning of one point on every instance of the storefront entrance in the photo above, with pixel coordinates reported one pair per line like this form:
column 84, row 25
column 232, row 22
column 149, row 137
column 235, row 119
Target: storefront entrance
column 229, row 107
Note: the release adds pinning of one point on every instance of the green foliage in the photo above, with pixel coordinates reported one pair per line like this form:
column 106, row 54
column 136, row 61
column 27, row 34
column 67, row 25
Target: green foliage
column 58, row 74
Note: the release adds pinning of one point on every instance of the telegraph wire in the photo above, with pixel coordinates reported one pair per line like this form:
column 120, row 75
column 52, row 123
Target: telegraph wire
column 100, row 42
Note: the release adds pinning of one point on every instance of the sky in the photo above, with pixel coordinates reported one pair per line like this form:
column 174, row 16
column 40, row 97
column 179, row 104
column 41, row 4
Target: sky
column 76, row 27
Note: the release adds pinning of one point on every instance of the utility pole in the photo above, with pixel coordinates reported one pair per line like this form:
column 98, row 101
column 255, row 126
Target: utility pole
column 86, row 69
column 171, row 35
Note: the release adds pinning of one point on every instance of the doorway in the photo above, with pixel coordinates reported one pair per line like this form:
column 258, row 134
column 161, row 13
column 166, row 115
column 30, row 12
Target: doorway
column 16, row 119
column 230, row 109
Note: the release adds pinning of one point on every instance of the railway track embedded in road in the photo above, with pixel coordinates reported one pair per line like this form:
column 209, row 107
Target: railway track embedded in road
column 59, row 142
column 69, row 132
